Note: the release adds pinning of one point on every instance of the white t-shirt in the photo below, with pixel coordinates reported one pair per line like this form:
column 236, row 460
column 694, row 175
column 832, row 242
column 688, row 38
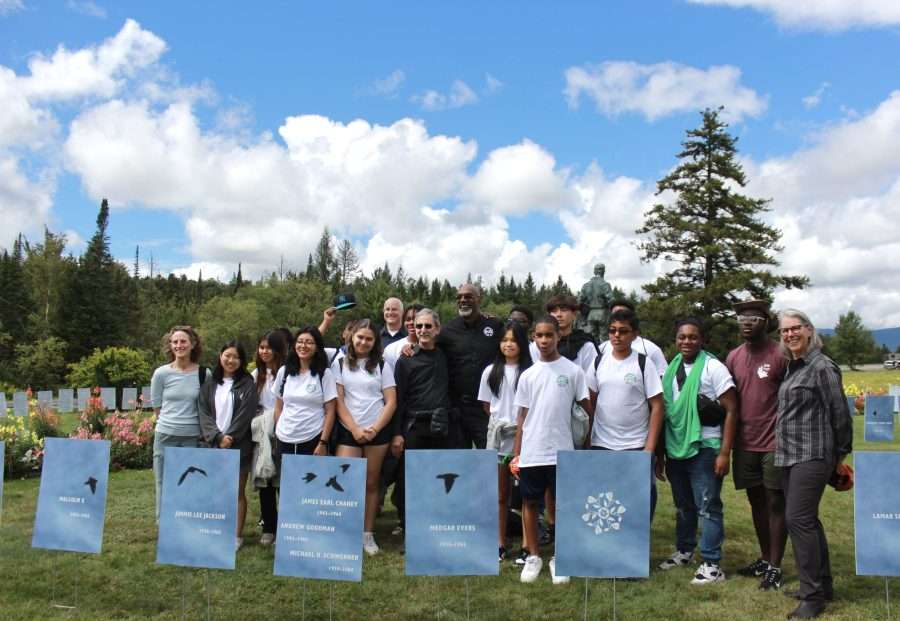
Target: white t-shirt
column 393, row 351
column 622, row 414
column 224, row 404
column 715, row 380
column 548, row 389
column 646, row 347
column 503, row 407
column 303, row 414
column 333, row 354
column 584, row 359
column 363, row 391
column 267, row 396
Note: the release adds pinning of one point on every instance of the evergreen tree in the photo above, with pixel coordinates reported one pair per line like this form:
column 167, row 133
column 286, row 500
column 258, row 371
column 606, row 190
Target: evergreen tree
column 722, row 249
column 347, row 263
column 852, row 344
column 99, row 302
column 15, row 305
column 325, row 262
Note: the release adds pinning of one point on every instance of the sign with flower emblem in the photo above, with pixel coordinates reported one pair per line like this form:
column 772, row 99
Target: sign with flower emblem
column 603, row 514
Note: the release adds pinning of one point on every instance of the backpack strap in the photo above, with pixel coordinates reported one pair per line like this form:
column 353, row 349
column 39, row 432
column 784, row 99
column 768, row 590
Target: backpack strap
column 201, row 374
column 642, row 362
column 680, row 375
column 283, row 382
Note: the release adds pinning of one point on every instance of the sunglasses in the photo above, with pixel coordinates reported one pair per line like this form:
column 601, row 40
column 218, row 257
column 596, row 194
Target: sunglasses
column 750, row 319
column 622, row 331
column 424, row 326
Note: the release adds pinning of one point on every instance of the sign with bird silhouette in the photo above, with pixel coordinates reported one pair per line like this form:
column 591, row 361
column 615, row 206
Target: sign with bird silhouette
column 876, row 513
column 451, row 513
column 198, row 511
column 879, row 418
column 603, row 514
column 320, row 517
column 72, row 497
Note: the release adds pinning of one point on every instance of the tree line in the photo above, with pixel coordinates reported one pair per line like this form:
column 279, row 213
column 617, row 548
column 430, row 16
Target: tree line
column 65, row 318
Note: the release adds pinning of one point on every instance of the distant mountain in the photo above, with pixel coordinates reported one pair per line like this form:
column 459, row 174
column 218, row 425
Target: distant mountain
column 889, row 337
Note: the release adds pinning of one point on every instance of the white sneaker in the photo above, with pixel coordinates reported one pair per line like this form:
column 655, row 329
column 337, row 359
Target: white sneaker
column 532, row 569
column 708, row 573
column 554, row 577
column 369, row 544
column 679, row 559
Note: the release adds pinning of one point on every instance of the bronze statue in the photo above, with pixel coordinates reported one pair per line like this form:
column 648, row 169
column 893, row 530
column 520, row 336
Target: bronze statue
column 595, row 296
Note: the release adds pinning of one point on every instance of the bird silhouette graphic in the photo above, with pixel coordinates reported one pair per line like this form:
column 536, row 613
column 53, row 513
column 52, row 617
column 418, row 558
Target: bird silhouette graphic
column 449, row 480
column 345, row 467
column 332, row 482
column 92, row 482
column 310, row 476
column 188, row 471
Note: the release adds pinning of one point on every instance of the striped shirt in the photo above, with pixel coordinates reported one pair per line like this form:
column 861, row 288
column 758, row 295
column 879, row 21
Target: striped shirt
column 813, row 418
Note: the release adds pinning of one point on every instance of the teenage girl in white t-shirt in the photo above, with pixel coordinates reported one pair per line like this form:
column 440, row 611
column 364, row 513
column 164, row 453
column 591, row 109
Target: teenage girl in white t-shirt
column 271, row 352
column 305, row 397
column 497, row 393
column 366, row 403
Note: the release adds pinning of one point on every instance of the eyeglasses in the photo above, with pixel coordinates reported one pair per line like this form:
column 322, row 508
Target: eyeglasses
column 792, row 329
column 424, row 326
column 622, row 331
column 750, row 319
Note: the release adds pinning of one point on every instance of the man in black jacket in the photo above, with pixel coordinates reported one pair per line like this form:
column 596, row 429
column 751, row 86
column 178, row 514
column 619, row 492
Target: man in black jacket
column 470, row 341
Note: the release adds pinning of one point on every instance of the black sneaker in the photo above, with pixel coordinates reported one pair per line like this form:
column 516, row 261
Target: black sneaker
column 520, row 560
column 755, row 569
column 772, row 579
column 502, row 554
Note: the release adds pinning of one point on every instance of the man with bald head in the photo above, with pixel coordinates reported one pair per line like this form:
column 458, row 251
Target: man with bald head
column 393, row 329
column 470, row 341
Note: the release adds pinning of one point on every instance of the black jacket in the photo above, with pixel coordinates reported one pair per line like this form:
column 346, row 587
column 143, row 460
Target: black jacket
column 421, row 385
column 245, row 401
column 469, row 350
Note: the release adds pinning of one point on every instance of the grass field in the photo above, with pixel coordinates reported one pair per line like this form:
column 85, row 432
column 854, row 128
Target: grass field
column 124, row 582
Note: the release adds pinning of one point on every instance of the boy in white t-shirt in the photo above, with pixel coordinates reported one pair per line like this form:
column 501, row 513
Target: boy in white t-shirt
column 629, row 413
column 544, row 396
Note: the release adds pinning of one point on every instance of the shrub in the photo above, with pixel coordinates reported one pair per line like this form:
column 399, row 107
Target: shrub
column 41, row 364
column 113, row 366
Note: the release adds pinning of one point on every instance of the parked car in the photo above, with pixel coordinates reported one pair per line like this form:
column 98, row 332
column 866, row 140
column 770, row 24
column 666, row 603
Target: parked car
column 892, row 364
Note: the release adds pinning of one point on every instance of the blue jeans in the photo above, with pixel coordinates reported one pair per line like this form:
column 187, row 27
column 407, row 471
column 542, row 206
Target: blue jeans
column 160, row 442
column 696, row 491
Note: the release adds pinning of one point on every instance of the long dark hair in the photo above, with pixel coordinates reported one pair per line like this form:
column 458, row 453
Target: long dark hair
column 319, row 362
column 374, row 359
column 275, row 341
column 219, row 372
column 495, row 378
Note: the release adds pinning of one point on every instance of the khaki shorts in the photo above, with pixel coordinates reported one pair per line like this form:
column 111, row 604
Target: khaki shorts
column 751, row 469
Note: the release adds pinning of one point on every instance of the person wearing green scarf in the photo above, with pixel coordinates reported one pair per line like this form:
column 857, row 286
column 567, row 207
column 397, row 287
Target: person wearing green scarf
column 697, row 457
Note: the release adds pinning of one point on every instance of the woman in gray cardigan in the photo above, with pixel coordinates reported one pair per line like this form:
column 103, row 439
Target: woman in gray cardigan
column 227, row 405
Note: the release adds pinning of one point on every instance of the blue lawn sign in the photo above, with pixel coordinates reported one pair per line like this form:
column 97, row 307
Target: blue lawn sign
column 851, row 405
column 145, row 397
column 83, row 395
column 108, row 395
column 451, row 527
column 603, row 514
column 45, row 397
column 2, row 404
column 72, row 496
column 894, row 391
column 877, row 513
column 320, row 518
column 65, row 401
column 198, row 511
column 20, row 404
column 129, row 399
column 879, row 419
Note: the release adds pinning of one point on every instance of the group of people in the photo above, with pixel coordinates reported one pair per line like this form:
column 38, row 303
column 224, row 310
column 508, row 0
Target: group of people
column 774, row 413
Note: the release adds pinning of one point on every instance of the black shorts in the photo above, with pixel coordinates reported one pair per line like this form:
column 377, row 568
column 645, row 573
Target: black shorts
column 534, row 480
column 344, row 437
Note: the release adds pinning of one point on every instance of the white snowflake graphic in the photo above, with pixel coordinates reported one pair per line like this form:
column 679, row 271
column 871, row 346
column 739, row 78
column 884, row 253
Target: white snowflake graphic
column 604, row 513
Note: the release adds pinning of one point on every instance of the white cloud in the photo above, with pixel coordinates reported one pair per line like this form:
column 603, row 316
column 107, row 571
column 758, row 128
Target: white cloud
column 207, row 269
column 821, row 14
column 24, row 203
column 813, row 100
column 8, row 7
column 388, row 87
column 87, row 7
column 662, row 89
column 93, row 71
column 491, row 84
column 459, row 95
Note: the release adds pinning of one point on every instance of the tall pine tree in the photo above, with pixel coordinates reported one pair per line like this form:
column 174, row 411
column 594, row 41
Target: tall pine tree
column 722, row 250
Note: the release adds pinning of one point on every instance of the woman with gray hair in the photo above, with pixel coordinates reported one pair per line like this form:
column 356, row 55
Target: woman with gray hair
column 813, row 434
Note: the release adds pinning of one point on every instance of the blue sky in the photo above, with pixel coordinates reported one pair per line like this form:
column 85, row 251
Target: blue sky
column 452, row 137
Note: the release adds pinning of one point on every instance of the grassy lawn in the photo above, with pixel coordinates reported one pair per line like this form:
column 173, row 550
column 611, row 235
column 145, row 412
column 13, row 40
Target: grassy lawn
column 125, row 583
column 870, row 381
